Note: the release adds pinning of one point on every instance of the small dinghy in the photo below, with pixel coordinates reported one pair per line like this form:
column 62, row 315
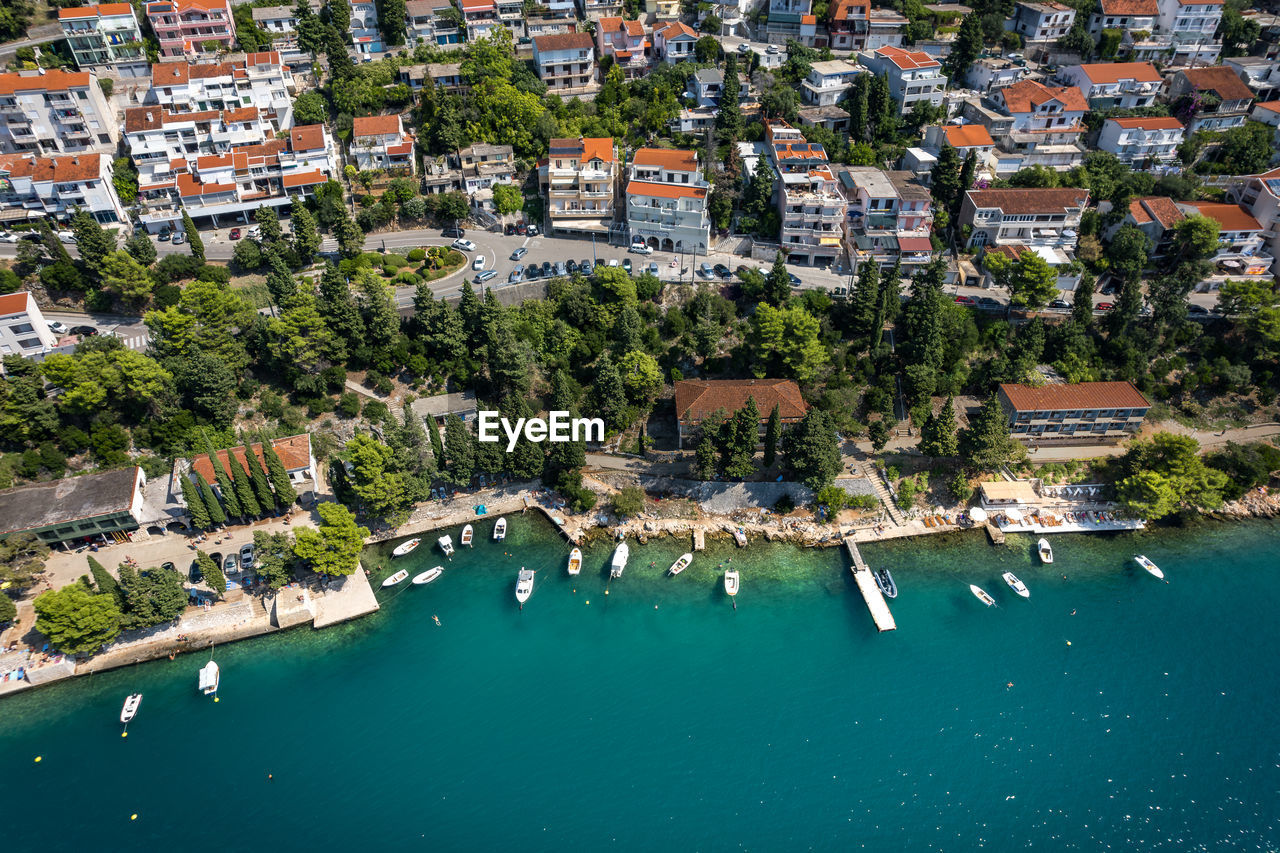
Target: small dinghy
column 524, row 586
column 1046, row 553
column 981, row 595
column 500, row 530
column 740, row 536
column 467, row 533
column 429, row 575
column 731, row 582
column 396, row 578
column 619, row 563
column 1151, row 567
column 209, row 678
column 1016, row 585
column 130, row 707
column 575, row 561
column 446, row 545
column 884, row 580
column 680, row 565
column 406, row 547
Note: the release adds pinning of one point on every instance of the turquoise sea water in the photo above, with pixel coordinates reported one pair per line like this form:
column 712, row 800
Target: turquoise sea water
column 1141, row 714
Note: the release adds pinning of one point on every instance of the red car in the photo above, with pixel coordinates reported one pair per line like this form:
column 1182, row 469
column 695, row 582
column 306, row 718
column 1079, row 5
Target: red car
column 235, row 234
column 967, row 301
column 1104, row 306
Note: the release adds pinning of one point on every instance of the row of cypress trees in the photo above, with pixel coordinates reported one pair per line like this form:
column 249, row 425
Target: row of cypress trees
column 247, row 490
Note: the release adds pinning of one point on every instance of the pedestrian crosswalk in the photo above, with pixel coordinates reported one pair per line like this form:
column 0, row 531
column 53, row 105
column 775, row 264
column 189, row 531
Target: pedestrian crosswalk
column 135, row 342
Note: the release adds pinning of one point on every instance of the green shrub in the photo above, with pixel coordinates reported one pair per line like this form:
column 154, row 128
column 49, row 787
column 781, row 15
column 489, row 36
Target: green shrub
column 349, row 404
column 417, row 255
column 270, row 403
column 376, row 411
column 396, row 261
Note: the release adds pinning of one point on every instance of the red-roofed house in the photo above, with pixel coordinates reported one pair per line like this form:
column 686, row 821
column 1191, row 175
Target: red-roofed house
column 1210, row 98
column 1260, row 195
column 260, row 80
column 190, row 27
column 962, row 137
column 380, row 143
column 1127, row 85
column 578, row 179
column 699, row 399
column 1142, row 142
column 792, row 20
column 673, row 42
column 105, row 37
column 625, row 41
column 54, row 187
column 1124, row 15
column 50, row 112
column 848, row 24
column 1241, row 238
column 1154, row 216
column 1047, row 123
column 667, row 201
column 913, row 75
column 294, row 452
column 1027, row 217
column 1080, row 413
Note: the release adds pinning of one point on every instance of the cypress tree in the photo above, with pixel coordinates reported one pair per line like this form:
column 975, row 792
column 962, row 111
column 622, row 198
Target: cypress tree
column 195, row 504
column 258, row 479
column 106, row 583
column 772, row 433
column 217, row 515
column 243, row 487
column 437, row 447
column 228, row 492
column 285, row 493
column 212, row 572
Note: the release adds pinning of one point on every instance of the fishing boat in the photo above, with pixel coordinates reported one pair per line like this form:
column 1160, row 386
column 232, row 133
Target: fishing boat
column 406, row 547
column 446, row 545
column 429, row 575
column 575, row 561
column 500, row 530
column 466, row 536
column 130, row 707
column 1151, row 567
column 981, row 595
column 396, row 578
column 731, row 582
column 209, row 677
column 620, row 555
column 680, row 565
column 1016, row 585
column 884, row 580
column 524, row 585
column 1046, row 553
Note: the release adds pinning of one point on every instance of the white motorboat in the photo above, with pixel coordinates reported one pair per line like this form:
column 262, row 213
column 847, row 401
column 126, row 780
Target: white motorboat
column 130, row 707
column 524, row 585
column 396, row 578
column 209, row 677
column 467, row 533
column 1046, row 553
column 1151, row 567
column 406, row 547
column 620, row 555
column 981, row 595
column 731, row 582
column 680, row 565
column 1016, row 585
column 429, row 575
column 446, row 545
column 500, row 530
column 575, row 561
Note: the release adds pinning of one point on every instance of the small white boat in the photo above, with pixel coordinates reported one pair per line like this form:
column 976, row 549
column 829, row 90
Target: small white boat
column 740, row 536
column 406, row 547
column 620, row 555
column 466, row 536
column 396, row 578
column 1151, row 567
column 575, row 561
column 130, row 707
column 429, row 575
column 1046, row 553
column 680, row 565
column 500, row 530
column 1016, row 585
column 524, row 585
column 731, row 582
column 981, row 595
column 209, row 677
column 446, row 545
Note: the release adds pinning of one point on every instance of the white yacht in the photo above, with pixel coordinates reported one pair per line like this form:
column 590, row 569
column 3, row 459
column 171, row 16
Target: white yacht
column 524, row 586
column 1151, row 567
column 209, row 677
column 731, row 582
column 500, row 530
column 575, row 561
column 620, row 555
column 1016, row 585
column 130, row 707
column 446, row 545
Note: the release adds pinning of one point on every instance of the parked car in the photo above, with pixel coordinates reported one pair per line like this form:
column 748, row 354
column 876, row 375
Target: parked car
column 194, row 574
column 66, row 236
column 967, row 301
column 230, row 563
column 533, row 272
column 1103, row 306
column 772, row 49
column 546, row 269
column 560, row 268
column 794, row 279
column 246, row 557
column 6, row 237
column 478, row 263
column 454, row 231
column 705, row 270
column 169, row 566
column 744, row 48
column 510, row 230
column 626, row 264
column 464, row 245
column 84, row 331
column 987, row 303
column 641, row 249
column 585, row 266
column 179, row 237
column 517, row 273
column 235, row 234
column 722, row 271
column 164, row 235
column 571, row 266
column 520, row 228
column 1059, row 303
column 519, row 253
column 1197, row 309
column 485, row 276
column 58, row 328
column 613, row 262
column 216, row 556
column 532, row 230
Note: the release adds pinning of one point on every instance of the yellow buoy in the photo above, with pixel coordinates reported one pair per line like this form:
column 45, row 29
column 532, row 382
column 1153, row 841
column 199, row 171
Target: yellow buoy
column 39, row 758
column 124, row 734
column 133, row 817
column 216, row 699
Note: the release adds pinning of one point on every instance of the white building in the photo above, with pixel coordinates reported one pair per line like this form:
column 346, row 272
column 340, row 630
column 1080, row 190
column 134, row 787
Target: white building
column 565, row 62
column 913, row 76
column 23, row 330
column 667, row 201
column 810, row 204
column 1047, row 124
column 281, row 23
column 1024, row 217
column 1142, row 142
column 260, row 80
column 1231, row 100
column 706, row 85
column 54, row 112
column 431, row 22
column 365, row 34
column 674, row 42
column 1124, row 15
column 593, row 10
column 1242, row 239
column 828, row 81
column 189, row 28
column 380, row 143
column 578, row 179
column 1042, row 21
column 889, row 217
column 1105, row 85
column 1260, row 195
column 1189, row 26
column 990, row 73
column 54, row 187
column 105, row 37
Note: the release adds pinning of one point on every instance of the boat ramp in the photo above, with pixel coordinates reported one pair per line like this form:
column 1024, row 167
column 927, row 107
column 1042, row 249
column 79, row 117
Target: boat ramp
column 870, row 590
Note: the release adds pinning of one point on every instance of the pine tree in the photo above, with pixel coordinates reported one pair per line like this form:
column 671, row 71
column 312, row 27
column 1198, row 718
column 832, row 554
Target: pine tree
column 772, row 433
column 705, row 457
column 437, row 446
column 610, row 395
column 258, row 479
column 93, row 242
column 243, row 486
column 212, row 572
column 986, row 444
column 217, row 515
column 106, row 583
column 458, row 450
column 285, row 493
column 857, row 107
column 887, row 305
column 740, row 445
column 195, row 504
column 225, row 489
column 338, row 308
column 469, row 309
column 777, row 287
column 938, row 435
column 306, row 239
column 866, row 298
column 193, row 236
column 946, row 178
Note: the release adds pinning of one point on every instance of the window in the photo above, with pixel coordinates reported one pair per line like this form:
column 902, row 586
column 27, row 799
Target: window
column 21, row 328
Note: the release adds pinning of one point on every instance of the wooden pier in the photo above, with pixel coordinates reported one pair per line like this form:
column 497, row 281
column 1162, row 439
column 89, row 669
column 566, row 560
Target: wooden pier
column 876, row 604
column 995, row 533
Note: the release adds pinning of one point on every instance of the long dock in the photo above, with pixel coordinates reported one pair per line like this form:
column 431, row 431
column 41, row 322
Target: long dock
column 876, row 604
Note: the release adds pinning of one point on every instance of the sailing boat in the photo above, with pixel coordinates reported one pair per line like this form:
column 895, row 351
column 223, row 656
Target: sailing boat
column 130, row 707
column 500, row 530
column 575, row 561
column 209, row 678
column 466, row 535
column 524, row 586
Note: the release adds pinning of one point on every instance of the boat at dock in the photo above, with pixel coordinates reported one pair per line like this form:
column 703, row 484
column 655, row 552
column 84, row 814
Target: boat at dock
column 731, row 582
column 209, row 678
column 130, row 707
column 524, row 585
column 981, row 595
column 500, row 530
column 396, row 578
column 620, row 555
column 1152, row 568
column 884, row 580
column 429, row 575
column 1016, row 585
column 680, row 565
column 446, row 545
column 406, row 547
column 740, row 536
column 467, row 533
column 575, row 561
column 1046, row 553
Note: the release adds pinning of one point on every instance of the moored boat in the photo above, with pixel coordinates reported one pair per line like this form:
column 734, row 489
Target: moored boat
column 406, row 547
column 1016, row 585
column 429, row 575
column 884, row 580
column 740, row 536
column 524, row 585
column 396, row 578
column 680, row 565
column 1046, row 553
column 446, row 545
column 575, row 561
column 500, row 530
column 620, row 555
column 130, row 707
column 467, row 533
column 731, row 582
column 981, row 595
column 1152, row 568
column 209, row 678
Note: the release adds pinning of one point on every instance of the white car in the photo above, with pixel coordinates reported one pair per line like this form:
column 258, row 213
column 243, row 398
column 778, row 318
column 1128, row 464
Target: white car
column 613, row 262
column 58, row 328
column 6, row 237
column 478, row 263
column 66, row 236
column 464, row 245
column 641, row 249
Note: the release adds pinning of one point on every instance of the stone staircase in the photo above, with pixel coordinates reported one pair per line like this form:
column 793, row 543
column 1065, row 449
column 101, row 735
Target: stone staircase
column 882, row 492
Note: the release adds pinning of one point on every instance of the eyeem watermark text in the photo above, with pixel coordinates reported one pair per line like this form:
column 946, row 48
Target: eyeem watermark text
column 558, row 427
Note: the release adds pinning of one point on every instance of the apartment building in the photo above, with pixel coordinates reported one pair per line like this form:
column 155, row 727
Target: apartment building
column 1227, row 107
column 810, row 204
column 156, row 137
column 913, row 75
column 1154, row 216
column 566, row 62
column 480, row 18
column 1142, row 142
column 848, row 23
column 667, row 201
column 1242, row 240
column 47, row 112
column 34, row 187
column 281, row 22
column 431, row 22
column 1026, row 217
column 674, row 42
column 1081, row 413
column 260, row 80
column 987, row 74
column 579, row 179
column 23, row 330
column 889, row 217
column 1190, row 26
column 483, row 166
column 1261, row 74
column 1124, row 15
column 828, row 82
column 365, row 35
column 380, row 143
column 1040, row 22
column 105, row 37
column 706, row 85
column 791, row 19
column 192, row 27
column 1047, row 124
column 1260, row 195
column 1105, row 85
column 594, row 10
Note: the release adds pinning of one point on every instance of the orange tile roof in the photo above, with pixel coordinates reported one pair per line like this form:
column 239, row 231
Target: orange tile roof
column 634, row 28
column 294, row 453
column 52, row 80
column 1150, row 122
column 1219, row 79
column 1230, row 217
column 809, row 19
column 908, row 59
column 698, row 398
column 14, row 303
column 1272, row 106
column 967, row 136
column 99, row 11
column 1158, row 209
column 1032, row 200
column 842, row 10
column 375, row 125
column 1025, row 95
column 302, row 179
column 1081, row 395
column 142, row 118
column 240, row 114
column 563, row 41
column 661, row 190
column 1114, row 72
column 674, row 30
column 608, row 24
column 189, row 187
column 213, row 161
column 676, row 159
column 169, row 73
column 306, row 137
column 1130, row 8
